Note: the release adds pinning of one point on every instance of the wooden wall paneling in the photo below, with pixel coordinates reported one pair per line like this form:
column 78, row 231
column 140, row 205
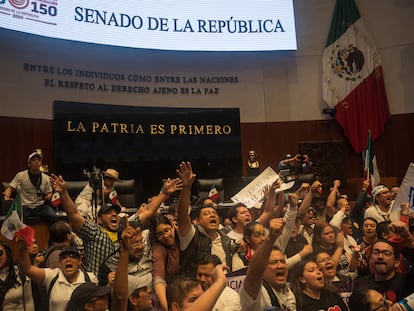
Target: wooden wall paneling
column 272, row 140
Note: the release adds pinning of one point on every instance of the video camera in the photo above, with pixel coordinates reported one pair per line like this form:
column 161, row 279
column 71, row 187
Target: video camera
column 94, row 177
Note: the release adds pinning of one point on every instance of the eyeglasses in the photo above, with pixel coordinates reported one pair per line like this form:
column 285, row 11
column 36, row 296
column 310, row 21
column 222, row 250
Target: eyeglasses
column 384, row 252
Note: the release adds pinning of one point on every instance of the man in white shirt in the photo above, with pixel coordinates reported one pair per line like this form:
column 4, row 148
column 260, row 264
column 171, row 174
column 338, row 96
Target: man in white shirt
column 265, row 283
column 382, row 210
column 240, row 217
column 229, row 300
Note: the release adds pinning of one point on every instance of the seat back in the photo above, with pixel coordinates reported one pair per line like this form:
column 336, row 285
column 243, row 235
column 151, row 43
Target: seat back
column 127, row 192
column 203, row 187
column 75, row 187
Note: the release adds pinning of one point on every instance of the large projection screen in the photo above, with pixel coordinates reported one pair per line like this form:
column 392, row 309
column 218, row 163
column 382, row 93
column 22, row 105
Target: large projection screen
column 184, row 25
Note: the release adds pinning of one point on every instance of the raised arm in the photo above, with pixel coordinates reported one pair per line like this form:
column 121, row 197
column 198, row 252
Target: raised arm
column 169, row 187
column 357, row 212
column 187, row 176
column 289, row 221
column 339, row 248
column 35, row 273
column 120, row 287
column 74, row 217
column 273, row 203
column 331, row 200
column 307, row 201
column 207, row 300
column 260, row 259
column 400, row 228
column 7, row 194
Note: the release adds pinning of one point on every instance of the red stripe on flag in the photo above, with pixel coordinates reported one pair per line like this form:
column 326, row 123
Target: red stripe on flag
column 365, row 108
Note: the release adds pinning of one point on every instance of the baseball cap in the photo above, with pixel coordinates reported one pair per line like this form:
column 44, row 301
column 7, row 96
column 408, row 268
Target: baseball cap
column 86, row 291
column 34, row 154
column 69, row 250
column 137, row 282
column 377, row 190
column 108, row 206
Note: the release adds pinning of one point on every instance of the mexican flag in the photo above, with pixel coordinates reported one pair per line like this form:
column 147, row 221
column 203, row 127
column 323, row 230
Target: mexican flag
column 370, row 164
column 13, row 226
column 113, row 196
column 213, row 194
column 352, row 78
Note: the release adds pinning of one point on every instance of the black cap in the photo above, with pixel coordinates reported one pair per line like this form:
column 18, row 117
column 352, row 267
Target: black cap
column 108, row 206
column 71, row 250
column 86, row 291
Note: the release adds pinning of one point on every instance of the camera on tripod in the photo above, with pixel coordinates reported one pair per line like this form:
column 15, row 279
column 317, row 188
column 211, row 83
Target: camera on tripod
column 94, row 177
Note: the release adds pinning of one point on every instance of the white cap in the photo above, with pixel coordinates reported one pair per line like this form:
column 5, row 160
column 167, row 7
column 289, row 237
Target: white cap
column 34, row 153
column 377, row 190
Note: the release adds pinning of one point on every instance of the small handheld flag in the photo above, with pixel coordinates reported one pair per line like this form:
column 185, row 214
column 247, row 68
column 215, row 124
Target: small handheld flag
column 213, row 194
column 56, row 201
column 113, row 196
column 13, row 225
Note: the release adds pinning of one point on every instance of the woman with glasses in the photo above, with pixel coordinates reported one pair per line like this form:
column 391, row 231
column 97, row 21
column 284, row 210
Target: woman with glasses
column 15, row 289
column 166, row 256
column 254, row 235
column 311, row 291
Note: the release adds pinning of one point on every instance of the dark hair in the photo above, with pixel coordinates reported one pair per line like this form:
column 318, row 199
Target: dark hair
column 200, row 201
column 178, row 289
column 59, row 230
column 155, row 221
column 358, row 301
column 207, row 259
column 11, row 279
column 394, row 249
column 317, row 231
column 248, row 229
column 370, row 218
column 297, row 272
column 233, row 211
column 383, row 227
column 297, row 286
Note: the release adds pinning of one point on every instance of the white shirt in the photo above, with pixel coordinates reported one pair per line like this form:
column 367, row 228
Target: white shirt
column 380, row 216
column 62, row 289
column 235, row 235
column 31, row 196
column 286, row 300
column 229, row 300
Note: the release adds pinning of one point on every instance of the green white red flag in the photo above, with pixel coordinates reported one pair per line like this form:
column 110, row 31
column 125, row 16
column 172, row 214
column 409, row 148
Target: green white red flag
column 352, row 79
column 370, row 164
column 13, row 225
column 213, row 194
column 113, row 196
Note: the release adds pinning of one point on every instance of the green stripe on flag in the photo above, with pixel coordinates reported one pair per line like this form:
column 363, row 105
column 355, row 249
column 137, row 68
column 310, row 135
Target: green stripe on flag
column 345, row 14
column 16, row 205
